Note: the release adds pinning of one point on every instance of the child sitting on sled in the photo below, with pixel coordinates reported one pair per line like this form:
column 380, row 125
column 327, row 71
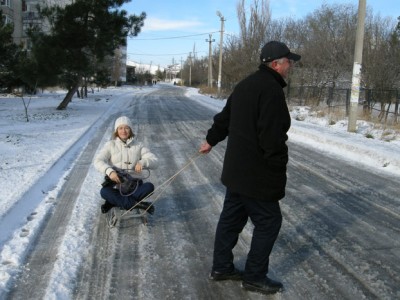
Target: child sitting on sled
column 118, row 158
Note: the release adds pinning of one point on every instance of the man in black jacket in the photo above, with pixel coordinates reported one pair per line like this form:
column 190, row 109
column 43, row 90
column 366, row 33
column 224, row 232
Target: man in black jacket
column 256, row 119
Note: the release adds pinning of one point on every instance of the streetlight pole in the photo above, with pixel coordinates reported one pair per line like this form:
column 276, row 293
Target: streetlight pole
column 220, row 52
column 355, row 85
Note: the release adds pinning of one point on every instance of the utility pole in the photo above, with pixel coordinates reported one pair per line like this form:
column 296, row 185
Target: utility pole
column 209, row 61
column 151, row 63
column 181, row 71
column 190, row 68
column 220, row 52
column 173, row 69
column 355, row 84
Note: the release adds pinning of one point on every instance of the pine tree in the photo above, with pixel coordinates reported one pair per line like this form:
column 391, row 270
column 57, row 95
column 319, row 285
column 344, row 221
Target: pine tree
column 82, row 35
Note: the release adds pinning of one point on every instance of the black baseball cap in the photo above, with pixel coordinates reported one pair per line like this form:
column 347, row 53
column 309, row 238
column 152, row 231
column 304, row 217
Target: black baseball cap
column 275, row 50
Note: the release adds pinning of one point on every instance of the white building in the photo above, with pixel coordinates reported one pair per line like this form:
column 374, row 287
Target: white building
column 143, row 68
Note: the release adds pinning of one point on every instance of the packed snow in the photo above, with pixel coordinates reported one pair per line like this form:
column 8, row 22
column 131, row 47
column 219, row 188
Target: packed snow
column 37, row 156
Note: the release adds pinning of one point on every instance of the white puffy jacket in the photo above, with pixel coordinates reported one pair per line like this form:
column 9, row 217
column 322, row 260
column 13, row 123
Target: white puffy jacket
column 116, row 153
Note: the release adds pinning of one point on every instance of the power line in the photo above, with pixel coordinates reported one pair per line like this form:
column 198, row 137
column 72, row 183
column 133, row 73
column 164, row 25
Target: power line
column 172, row 37
column 146, row 54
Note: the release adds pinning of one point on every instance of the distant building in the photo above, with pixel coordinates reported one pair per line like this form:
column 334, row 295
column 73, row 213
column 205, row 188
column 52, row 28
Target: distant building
column 143, row 68
column 24, row 14
column 141, row 73
column 172, row 72
column 130, row 74
column 12, row 11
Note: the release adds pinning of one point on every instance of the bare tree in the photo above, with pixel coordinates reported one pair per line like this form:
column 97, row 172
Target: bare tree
column 380, row 72
column 26, row 103
column 330, row 43
column 242, row 55
column 381, row 48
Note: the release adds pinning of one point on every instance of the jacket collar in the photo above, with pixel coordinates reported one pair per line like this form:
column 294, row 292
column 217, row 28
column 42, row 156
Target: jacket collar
column 128, row 141
column 263, row 68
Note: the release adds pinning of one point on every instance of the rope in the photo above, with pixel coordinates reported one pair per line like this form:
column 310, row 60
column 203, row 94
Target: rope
column 165, row 184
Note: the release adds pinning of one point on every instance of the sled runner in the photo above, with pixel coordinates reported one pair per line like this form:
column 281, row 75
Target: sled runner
column 141, row 211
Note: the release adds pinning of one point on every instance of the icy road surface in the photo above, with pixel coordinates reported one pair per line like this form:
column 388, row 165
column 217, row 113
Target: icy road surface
column 340, row 237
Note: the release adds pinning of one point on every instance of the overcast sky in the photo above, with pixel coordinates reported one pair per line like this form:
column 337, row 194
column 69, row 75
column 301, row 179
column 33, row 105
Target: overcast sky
column 176, row 27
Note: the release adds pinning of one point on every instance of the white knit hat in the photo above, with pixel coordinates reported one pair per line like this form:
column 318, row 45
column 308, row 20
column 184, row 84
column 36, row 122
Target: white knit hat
column 122, row 121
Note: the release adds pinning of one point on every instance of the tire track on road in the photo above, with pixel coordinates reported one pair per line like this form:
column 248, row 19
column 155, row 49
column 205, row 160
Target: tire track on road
column 34, row 278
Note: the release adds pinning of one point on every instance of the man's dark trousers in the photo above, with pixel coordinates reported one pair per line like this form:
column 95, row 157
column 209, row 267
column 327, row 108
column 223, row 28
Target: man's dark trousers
column 266, row 217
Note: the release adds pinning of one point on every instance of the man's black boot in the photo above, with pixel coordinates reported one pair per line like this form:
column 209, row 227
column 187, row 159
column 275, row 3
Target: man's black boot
column 266, row 286
column 233, row 275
